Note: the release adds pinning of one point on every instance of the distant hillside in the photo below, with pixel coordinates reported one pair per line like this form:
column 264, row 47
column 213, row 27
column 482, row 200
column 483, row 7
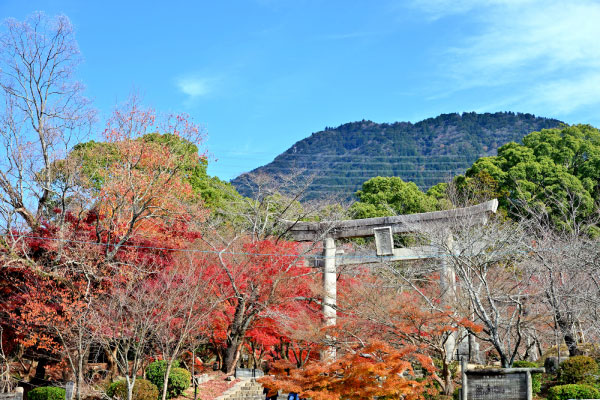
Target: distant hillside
column 339, row 160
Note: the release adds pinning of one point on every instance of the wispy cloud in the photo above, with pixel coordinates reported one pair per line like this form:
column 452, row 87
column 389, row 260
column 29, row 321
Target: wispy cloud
column 548, row 49
column 442, row 8
column 194, row 86
column 566, row 96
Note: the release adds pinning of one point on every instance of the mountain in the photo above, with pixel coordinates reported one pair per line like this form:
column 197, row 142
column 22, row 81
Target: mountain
column 338, row 160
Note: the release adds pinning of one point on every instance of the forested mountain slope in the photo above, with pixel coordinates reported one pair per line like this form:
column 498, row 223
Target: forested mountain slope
column 338, row 160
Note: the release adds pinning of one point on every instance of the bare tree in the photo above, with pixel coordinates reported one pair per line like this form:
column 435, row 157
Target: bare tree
column 184, row 295
column 486, row 260
column 565, row 265
column 44, row 110
column 7, row 383
column 125, row 320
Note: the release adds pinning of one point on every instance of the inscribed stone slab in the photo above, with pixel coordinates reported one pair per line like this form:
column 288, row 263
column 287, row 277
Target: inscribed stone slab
column 497, row 387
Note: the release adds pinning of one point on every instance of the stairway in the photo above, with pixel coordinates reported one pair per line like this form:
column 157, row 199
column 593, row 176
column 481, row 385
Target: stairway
column 247, row 389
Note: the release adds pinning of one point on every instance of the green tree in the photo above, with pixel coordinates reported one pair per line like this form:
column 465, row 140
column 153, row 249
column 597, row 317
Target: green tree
column 554, row 172
column 387, row 196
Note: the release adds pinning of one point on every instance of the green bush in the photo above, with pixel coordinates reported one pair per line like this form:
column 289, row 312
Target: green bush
column 46, row 393
column 155, row 372
column 578, row 369
column 536, row 379
column 564, row 392
column 142, row 390
column 179, row 378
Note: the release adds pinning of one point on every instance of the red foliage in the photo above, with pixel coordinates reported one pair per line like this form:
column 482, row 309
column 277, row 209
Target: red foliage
column 262, row 284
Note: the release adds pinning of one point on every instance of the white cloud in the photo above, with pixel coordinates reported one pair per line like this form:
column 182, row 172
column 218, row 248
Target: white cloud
column 441, row 8
column 548, row 49
column 548, row 37
column 195, row 87
column 566, row 96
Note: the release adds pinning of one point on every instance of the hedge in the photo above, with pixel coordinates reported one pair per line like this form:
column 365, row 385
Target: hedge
column 142, row 390
column 179, row 378
column 578, row 369
column 46, row 393
column 573, row 391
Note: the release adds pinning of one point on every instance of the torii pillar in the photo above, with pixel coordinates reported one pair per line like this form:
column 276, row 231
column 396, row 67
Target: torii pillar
column 329, row 292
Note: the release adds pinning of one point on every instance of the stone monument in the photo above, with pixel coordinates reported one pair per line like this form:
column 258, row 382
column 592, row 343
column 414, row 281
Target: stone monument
column 497, row 383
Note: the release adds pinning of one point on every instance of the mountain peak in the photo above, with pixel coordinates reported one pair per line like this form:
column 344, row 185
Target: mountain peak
column 338, row 160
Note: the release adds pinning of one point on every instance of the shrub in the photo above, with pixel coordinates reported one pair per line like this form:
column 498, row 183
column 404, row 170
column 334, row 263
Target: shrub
column 536, row 379
column 142, row 390
column 155, row 372
column 564, row 392
column 578, row 369
column 179, row 378
column 46, row 393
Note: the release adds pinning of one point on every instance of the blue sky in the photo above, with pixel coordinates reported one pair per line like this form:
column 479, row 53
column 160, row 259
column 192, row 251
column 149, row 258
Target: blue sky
column 260, row 75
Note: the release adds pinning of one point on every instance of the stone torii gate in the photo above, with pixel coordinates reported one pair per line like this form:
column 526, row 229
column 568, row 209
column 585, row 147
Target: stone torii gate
column 382, row 228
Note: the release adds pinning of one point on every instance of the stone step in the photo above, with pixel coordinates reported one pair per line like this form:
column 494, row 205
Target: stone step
column 244, row 390
column 249, row 388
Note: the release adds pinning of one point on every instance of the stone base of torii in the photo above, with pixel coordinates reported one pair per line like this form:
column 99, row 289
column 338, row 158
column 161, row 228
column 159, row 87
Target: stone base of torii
column 383, row 229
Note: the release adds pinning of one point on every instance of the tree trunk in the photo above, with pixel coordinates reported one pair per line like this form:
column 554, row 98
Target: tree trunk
column 447, row 377
column 111, row 361
column 130, row 384
column 232, row 354
column 235, row 339
column 571, row 344
column 79, row 375
column 40, row 370
column 570, row 341
column 166, row 380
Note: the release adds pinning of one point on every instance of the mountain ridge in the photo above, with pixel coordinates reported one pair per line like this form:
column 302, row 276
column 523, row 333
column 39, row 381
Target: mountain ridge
column 340, row 159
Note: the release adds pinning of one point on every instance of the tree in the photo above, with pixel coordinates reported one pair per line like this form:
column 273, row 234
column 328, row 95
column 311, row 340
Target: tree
column 141, row 183
column 216, row 195
column 137, row 206
column 300, row 334
column 553, row 163
column 44, row 112
column 564, row 267
column 486, row 260
column 386, row 196
column 367, row 372
column 51, row 309
column 65, row 317
column 263, row 276
column 257, row 280
column 401, row 305
column 184, row 298
column 125, row 319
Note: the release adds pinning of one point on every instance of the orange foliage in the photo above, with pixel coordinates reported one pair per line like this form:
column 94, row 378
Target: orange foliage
column 144, row 185
column 368, row 372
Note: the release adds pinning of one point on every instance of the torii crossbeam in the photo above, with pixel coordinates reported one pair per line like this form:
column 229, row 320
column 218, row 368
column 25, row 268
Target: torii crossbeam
column 382, row 228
